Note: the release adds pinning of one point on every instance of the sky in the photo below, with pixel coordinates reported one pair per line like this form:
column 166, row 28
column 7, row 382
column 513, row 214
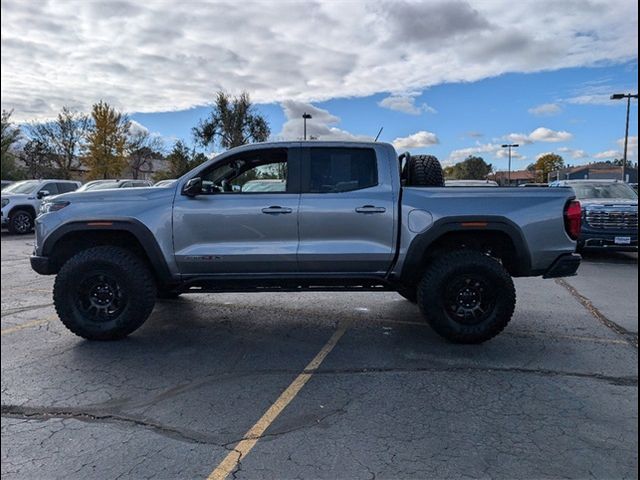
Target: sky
column 450, row 78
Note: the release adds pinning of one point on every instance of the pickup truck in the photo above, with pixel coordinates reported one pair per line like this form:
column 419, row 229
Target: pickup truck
column 609, row 214
column 353, row 216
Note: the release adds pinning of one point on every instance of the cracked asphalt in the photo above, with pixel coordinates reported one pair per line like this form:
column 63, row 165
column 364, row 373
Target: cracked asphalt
column 554, row 396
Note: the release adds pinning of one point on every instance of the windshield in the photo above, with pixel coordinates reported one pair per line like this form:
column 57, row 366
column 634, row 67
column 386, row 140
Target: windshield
column 587, row 191
column 27, row 186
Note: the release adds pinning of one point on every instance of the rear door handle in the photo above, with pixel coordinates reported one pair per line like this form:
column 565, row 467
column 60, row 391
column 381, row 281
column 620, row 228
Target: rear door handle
column 275, row 209
column 370, row 209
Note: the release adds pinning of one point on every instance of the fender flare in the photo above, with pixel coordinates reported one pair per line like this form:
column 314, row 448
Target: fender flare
column 420, row 244
column 133, row 226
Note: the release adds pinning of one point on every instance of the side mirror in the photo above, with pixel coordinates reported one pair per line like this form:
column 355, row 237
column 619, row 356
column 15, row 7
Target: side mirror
column 193, row 187
column 43, row 193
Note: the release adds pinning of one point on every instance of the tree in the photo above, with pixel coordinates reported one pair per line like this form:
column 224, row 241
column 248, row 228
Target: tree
column 232, row 122
column 10, row 135
column 142, row 149
column 106, row 142
column 473, row 168
column 181, row 160
column 547, row 163
column 37, row 159
column 64, row 139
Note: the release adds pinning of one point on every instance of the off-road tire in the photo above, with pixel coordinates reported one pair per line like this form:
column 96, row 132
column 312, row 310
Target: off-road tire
column 436, row 297
column 20, row 222
column 409, row 293
column 135, row 287
column 425, row 171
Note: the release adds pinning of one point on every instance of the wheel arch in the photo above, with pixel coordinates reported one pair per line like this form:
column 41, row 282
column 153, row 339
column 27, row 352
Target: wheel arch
column 29, row 208
column 73, row 237
column 497, row 236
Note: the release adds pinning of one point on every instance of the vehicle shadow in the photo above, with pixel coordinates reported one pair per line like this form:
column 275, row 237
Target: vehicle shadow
column 609, row 256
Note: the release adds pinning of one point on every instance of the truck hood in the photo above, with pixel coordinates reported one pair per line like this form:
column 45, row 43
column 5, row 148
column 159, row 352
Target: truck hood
column 608, row 202
column 114, row 195
column 16, row 196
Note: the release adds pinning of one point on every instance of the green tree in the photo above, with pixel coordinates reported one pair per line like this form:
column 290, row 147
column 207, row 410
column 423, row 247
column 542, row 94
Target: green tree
column 106, row 152
column 10, row 135
column 547, row 163
column 472, row 168
column 232, row 122
column 64, row 139
column 178, row 160
column 37, row 159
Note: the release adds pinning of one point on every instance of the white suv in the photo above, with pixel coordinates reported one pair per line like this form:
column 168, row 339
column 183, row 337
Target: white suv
column 21, row 201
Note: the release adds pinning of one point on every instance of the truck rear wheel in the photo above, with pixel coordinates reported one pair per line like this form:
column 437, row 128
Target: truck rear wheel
column 104, row 293
column 425, row 171
column 467, row 297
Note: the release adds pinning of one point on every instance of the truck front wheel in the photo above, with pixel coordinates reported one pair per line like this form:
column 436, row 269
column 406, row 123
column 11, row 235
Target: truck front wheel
column 104, row 293
column 467, row 296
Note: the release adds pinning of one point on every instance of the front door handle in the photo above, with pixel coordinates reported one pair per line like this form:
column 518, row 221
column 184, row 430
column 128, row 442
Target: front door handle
column 275, row 209
column 370, row 209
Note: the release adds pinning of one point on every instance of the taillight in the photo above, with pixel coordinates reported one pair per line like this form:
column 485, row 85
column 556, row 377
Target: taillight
column 573, row 219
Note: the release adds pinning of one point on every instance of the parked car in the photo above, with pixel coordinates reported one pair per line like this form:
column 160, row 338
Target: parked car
column 609, row 212
column 267, row 185
column 470, row 183
column 92, row 184
column 533, row 185
column 353, row 217
column 165, row 183
column 108, row 184
column 21, row 201
column 6, row 183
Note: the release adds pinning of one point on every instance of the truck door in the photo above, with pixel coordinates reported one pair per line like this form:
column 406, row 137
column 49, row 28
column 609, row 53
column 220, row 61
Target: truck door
column 246, row 218
column 346, row 220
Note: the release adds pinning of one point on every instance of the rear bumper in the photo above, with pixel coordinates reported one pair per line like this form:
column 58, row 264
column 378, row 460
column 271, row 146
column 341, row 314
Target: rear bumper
column 41, row 265
column 564, row 266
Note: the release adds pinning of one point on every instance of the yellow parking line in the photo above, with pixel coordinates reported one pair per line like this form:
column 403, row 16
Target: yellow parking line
column 22, row 326
column 253, row 435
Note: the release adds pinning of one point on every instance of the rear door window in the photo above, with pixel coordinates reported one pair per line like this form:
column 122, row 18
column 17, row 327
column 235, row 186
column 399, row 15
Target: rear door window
column 334, row 170
column 66, row 187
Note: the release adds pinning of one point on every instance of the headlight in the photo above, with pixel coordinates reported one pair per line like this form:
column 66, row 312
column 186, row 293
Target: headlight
column 54, row 206
column 5, row 202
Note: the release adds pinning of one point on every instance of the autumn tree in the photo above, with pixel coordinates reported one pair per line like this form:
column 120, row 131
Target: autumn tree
column 547, row 163
column 37, row 159
column 142, row 149
column 10, row 135
column 64, row 139
column 106, row 151
column 232, row 122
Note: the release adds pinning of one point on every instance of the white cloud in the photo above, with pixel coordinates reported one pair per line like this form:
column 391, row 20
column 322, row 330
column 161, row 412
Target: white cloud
column 608, row 154
column 164, row 56
column 322, row 125
column 632, row 147
column 574, row 153
column 462, row 153
column 546, row 109
column 136, row 128
column 416, row 140
column 540, row 134
column 406, row 104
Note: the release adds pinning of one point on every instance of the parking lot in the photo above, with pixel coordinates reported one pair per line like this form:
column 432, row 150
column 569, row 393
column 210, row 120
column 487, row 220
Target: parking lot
column 324, row 385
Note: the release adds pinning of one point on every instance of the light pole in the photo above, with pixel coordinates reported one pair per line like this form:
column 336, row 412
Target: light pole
column 628, row 96
column 510, row 146
column 305, row 116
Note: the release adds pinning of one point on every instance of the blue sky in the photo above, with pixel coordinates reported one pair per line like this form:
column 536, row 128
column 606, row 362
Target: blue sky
column 448, row 77
column 469, row 115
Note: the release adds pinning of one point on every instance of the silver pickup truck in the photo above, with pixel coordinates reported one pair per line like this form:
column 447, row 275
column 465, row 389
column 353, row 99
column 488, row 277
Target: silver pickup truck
column 338, row 216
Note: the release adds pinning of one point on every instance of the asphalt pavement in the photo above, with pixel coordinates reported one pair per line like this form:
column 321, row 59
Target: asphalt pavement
column 324, row 385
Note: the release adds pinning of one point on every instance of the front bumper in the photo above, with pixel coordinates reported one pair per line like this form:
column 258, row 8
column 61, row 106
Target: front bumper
column 41, row 265
column 607, row 241
column 564, row 266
